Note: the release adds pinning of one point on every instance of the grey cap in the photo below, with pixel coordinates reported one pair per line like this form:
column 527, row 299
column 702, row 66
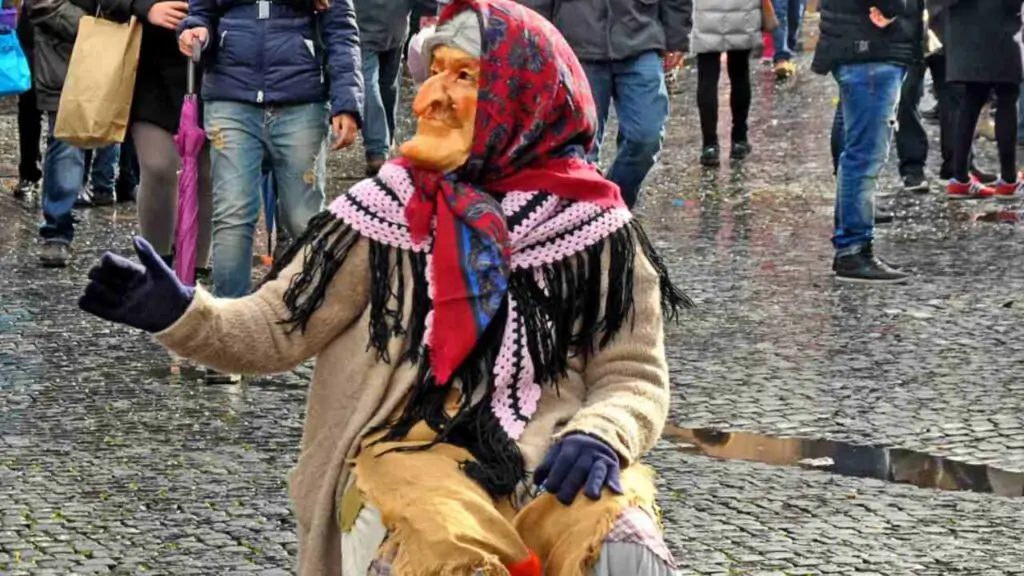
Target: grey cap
column 461, row 32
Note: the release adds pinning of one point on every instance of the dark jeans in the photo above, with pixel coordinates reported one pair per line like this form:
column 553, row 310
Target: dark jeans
column 64, row 169
column 790, row 14
column 381, row 75
column 636, row 86
column 972, row 97
column 709, row 68
column 911, row 139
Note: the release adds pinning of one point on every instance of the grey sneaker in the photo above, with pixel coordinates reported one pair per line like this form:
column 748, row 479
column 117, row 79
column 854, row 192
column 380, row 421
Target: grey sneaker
column 89, row 198
column 54, row 254
column 25, row 188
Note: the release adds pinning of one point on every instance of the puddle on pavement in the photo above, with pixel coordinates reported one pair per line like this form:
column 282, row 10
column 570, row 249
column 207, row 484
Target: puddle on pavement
column 863, row 461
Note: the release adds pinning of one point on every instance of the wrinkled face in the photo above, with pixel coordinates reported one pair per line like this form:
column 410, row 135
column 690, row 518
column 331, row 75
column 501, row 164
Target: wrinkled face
column 445, row 108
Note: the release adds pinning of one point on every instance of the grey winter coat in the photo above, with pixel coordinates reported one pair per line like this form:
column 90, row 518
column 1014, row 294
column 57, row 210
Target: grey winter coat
column 384, row 24
column 56, row 26
column 724, row 25
column 603, row 30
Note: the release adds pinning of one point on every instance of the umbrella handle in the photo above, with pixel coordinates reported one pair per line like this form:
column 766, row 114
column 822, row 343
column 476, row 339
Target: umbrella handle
column 193, row 63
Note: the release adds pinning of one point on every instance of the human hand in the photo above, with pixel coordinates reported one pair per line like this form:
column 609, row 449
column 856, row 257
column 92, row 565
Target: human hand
column 191, row 37
column 879, row 19
column 672, row 60
column 147, row 296
column 344, row 128
column 167, row 14
column 579, row 462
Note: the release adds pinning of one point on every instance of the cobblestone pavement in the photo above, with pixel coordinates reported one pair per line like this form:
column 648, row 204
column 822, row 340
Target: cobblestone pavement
column 114, row 459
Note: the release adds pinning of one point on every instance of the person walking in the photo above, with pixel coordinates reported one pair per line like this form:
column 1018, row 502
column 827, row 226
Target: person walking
column 626, row 47
column 733, row 27
column 160, row 87
column 983, row 56
column 786, row 36
column 56, row 25
column 30, row 119
column 867, row 49
column 383, row 28
column 276, row 72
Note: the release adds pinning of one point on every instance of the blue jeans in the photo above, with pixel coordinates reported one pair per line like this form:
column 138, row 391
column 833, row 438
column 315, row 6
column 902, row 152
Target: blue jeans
column 868, row 96
column 637, row 86
column 294, row 138
column 790, row 14
column 63, row 173
column 381, row 73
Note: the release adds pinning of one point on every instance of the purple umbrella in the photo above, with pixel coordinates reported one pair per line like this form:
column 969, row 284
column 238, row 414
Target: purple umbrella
column 189, row 141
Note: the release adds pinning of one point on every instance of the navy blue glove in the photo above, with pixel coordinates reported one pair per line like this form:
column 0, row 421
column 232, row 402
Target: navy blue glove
column 148, row 297
column 579, row 462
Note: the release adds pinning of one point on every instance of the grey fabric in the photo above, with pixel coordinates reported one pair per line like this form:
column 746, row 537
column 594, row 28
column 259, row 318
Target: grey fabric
column 628, row 559
column 158, row 191
column 461, row 32
column 383, row 24
column 725, row 25
column 602, row 30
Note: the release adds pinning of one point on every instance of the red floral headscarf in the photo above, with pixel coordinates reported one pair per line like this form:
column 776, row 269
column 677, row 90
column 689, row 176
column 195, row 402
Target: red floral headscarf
column 535, row 121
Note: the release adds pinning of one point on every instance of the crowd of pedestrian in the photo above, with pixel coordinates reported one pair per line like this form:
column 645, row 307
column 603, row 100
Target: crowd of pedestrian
column 279, row 77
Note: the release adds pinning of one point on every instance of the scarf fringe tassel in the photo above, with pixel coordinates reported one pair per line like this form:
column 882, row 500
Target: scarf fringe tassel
column 560, row 305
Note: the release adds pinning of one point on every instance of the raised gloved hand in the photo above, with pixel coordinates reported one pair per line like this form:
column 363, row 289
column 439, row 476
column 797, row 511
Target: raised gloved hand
column 147, row 296
column 579, row 461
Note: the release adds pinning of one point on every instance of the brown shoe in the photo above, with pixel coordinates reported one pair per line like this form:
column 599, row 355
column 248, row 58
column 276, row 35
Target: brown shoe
column 784, row 69
column 373, row 166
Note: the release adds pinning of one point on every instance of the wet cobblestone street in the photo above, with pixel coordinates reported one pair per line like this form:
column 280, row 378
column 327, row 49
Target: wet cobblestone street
column 115, row 458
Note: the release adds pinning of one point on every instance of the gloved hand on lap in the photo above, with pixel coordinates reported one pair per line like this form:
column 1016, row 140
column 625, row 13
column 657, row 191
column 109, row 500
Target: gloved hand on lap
column 578, row 462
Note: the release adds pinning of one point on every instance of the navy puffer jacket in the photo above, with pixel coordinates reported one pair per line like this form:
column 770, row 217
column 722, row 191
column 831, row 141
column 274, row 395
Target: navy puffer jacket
column 280, row 54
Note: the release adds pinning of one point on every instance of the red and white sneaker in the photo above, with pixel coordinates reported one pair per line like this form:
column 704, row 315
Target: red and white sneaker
column 973, row 190
column 1012, row 190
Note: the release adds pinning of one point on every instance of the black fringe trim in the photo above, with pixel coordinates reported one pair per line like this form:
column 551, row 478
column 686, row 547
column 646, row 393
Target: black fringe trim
column 562, row 319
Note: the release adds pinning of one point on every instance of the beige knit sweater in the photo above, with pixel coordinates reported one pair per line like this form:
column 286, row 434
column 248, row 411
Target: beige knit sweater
column 620, row 395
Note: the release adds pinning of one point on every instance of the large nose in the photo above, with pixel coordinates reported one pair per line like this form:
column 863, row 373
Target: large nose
column 432, row 93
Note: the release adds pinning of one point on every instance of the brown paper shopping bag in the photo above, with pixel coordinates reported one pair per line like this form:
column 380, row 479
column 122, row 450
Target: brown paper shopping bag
column 97, row 97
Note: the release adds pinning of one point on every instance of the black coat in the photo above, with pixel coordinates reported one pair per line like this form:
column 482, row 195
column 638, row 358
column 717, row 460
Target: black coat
column 849, row 37
column 56, row 26
column 161, row 80
column 981, row 41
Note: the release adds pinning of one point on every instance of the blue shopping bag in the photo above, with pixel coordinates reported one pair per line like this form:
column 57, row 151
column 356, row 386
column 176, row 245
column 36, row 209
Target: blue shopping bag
column 15, row 77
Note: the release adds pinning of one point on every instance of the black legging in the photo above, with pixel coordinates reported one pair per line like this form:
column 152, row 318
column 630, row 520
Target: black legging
column 971, row 97
column 709, row 67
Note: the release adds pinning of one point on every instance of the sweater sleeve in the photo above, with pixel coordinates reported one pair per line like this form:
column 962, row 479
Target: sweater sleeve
column 627, row 381
column 248, row 335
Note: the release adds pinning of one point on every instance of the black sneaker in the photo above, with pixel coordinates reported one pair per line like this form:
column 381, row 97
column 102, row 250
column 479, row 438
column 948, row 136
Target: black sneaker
column 865, row 268
column 931, row 115
column 711, row 156
column 126, row 194
column 54, row 254
column 89, row 198
column 916, row 183
column 25, row 188
column 740, row 150
column 883, row 216
column 373, row 166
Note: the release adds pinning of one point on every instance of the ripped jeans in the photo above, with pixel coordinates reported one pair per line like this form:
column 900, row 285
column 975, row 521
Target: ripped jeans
column 866, row 115
column 294, row 138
